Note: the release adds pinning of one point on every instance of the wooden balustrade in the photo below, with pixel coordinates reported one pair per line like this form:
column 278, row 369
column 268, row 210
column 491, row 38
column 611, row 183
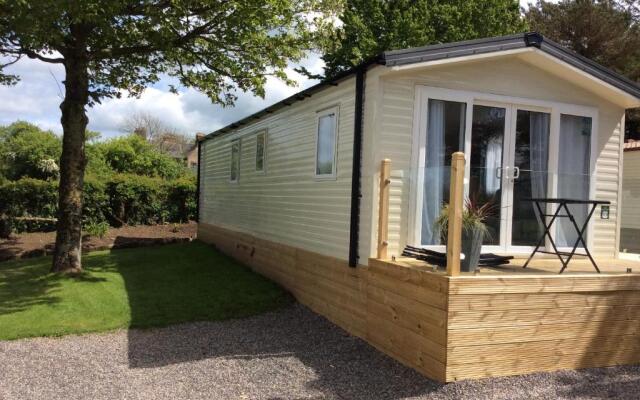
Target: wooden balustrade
column 454, row 232
column 383, row 209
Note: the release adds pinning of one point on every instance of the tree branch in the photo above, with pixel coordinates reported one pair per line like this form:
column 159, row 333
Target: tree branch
column 146, row 49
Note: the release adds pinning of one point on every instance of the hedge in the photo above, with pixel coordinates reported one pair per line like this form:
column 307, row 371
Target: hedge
column 121, row 199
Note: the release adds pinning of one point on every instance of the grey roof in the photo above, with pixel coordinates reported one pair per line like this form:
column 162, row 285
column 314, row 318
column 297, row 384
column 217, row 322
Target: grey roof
column 511, row 42
column 453, row 50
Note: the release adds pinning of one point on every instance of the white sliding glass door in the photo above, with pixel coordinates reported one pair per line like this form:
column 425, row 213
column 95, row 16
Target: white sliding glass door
column 514, row 151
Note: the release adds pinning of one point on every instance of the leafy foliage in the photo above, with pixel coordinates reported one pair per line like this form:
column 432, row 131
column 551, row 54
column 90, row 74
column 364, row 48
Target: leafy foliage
column 133, row 154
column 217, row 46
column 128, row 182
column 373, row 26
column 97, row 229
column 605, row 31
column 120, row 199
column 28, row 151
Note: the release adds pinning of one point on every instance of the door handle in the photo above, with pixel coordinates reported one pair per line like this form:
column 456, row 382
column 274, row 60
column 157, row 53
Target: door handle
column 499, row 172
column 516, row 172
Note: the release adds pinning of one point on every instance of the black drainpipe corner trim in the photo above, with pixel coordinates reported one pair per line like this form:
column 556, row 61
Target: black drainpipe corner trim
column 356, row 173
column 198, row 181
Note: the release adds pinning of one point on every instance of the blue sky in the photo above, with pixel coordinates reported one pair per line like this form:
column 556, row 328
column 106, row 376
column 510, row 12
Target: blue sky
column 36, row 98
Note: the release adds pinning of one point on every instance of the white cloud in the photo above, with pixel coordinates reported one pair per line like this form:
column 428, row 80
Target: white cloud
column 37, row 99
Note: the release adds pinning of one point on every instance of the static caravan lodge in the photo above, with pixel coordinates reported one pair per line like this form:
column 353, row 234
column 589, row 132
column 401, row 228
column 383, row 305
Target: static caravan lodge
column 294, row 191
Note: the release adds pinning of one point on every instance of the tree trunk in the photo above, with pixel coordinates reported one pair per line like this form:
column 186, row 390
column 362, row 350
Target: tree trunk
column 67, row 253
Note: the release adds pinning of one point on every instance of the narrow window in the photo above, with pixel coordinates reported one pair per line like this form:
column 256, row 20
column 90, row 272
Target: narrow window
column 326, row 144
column 574, row 172
column 261, row 144
column 235, row 161
column 445, row 135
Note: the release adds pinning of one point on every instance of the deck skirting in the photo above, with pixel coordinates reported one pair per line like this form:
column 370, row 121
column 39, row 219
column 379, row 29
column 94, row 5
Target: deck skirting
column 452, row 328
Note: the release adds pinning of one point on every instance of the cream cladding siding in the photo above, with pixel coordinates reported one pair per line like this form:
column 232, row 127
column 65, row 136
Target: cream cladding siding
column 631, row 190
column 393, row 132
column 286, row 204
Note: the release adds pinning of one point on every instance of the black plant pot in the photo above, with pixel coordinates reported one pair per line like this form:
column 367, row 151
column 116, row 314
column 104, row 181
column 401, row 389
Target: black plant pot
column 471, row 246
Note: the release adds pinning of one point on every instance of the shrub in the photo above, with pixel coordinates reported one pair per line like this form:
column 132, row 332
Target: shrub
column 28, row 197
column 122, row 199
column 97, row 229
column 136, row 199
column 28, row 151
column 182, row 199
column 5, row 227
column 134, row 155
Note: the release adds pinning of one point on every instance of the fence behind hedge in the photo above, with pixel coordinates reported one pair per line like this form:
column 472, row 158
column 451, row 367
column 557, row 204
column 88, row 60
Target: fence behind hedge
column 120, row 199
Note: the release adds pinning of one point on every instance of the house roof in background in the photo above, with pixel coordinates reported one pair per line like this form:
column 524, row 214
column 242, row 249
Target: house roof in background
column 397, row 58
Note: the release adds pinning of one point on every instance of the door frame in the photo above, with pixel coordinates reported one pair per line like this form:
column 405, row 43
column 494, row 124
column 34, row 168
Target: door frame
column 471, row 98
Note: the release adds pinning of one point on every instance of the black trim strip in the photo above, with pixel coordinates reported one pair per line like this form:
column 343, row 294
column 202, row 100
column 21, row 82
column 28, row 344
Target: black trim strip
column 356, row 169
column 198, row 181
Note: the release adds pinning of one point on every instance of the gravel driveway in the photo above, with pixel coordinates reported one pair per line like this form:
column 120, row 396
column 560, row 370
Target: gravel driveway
column 290, row 354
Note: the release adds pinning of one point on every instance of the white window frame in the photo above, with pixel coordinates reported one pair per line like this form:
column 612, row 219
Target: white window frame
column 420, row 118
column 264, row 152
column 233, row 142
column 323, row 113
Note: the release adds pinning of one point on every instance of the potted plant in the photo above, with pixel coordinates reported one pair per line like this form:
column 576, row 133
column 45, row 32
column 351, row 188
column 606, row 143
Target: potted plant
column 474, row 230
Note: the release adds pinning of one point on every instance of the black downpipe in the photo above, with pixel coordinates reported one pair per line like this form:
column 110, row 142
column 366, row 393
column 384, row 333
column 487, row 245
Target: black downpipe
column 198, row 182
column 356, row 173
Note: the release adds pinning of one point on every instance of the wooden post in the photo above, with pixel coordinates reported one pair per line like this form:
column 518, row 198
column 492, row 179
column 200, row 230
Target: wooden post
column 383, row 209
column 454, row 232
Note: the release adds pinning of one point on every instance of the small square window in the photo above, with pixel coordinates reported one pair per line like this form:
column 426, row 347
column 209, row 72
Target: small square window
column 261, row 146
column 326, row 143
column 235, row 161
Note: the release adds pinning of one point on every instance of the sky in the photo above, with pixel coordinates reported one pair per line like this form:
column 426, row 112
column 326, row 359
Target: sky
column 36, row 98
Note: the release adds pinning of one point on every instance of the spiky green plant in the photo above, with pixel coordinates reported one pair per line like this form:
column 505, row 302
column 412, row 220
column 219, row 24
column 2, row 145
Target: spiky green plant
column 474, row 217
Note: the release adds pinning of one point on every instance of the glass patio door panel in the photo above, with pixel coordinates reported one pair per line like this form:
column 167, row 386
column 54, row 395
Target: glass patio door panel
column 486, row 165
column 529, row 177
column 574, row 178
column 445, row 135
column 515, row 151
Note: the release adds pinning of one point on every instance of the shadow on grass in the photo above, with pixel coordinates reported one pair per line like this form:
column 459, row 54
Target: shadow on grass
column 28, row 283
column 25, row 284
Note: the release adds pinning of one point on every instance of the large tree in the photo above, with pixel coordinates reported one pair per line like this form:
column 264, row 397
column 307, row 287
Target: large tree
column 605, row 31
column 373, row 26
column 107, row 47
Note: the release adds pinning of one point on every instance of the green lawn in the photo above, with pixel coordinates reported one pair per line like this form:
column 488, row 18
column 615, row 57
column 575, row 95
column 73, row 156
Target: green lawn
column 139, row 288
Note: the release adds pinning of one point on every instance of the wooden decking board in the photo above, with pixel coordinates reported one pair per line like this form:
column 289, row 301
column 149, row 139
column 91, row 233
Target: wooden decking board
column 528, row 301
column 506, row 318
column 471, row 354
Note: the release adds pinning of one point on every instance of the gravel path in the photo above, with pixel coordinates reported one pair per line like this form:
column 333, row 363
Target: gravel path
column 290, row 354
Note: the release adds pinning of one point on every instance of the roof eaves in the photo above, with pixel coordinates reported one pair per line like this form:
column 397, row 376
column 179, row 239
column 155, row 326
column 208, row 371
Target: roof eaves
column 511, row 42
column 591, row 67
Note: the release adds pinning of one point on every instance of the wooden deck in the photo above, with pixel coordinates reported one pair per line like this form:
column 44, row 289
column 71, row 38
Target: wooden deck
column 510, row 320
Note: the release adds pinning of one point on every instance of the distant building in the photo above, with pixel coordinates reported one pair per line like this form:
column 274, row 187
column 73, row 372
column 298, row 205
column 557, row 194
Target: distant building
column 191, row 157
